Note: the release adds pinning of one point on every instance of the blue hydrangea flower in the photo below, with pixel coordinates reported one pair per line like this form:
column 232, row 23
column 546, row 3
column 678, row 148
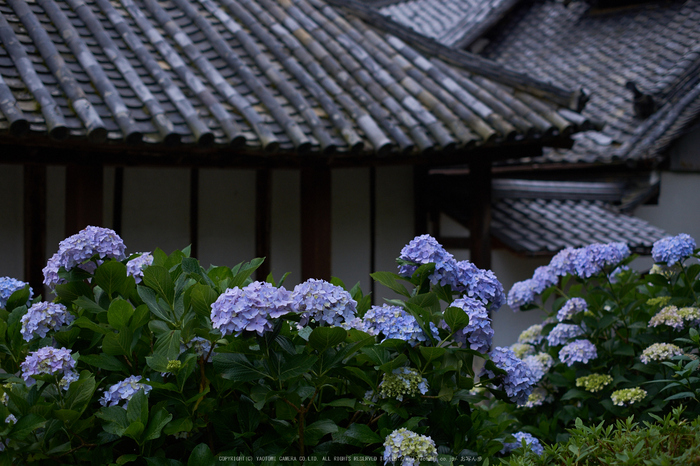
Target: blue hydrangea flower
column 544, row 277
column 201, row 346
column 359, row 324
column 530, row 441
column 478, row 331
column 562, row 333
column 124, row 391
column 425, row 249
column 571, row 308
column 395, row 323
column 49, row 361
column 592, row 259
column 76, row 250
column 519, row 381
column 613, row 277
column 8, row 286
column 673, row 249
column 539, row 364
column 250, row 308
column 563, row 262
column 323, row 302
column 463, row 275
column 409, row 447
column 42, row 317
column 522, row 293
column 578, row 351
column 135, row 266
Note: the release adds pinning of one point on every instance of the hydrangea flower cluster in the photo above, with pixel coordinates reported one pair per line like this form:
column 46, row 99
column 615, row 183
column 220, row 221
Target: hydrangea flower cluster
column 11, row 419
column 402, row 382
column 628, row 396
column 673, row 249
column 676, row 318
column 395, row 322
column 594, row 382
column 462, row 276
column 536, row 398
column 409, row 447
column 8, row 286
column 250, row 308
column 530, row 441
column 134, row 268
column 519, row 381
column 572, row 307
column 359, row 324
column 478, row 332
column 42, row 317
column 123, row 391
column 522, row 349
column 583, row 262
column 562, row 333
column 425, row 249
column 323, row 302
column 49, row 361
column 660, row 352
column 539, row 364
column 202, row 347
column 81, row 247
column 532, row 334
column 613, row 277
column 578, row 351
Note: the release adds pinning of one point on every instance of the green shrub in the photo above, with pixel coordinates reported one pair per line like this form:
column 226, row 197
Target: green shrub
column 670, row 440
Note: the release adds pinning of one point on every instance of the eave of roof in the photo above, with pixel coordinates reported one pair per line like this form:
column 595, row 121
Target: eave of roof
column 252, row 77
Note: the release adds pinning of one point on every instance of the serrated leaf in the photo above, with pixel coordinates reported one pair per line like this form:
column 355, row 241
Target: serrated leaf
column 456, row 318
column 243, row 271
column 103, row 361
column 201, row 298
column 168, row 345
column 25, row 426
column 119, row 313
column 134, row 430
column 159, row 419
column 110, row 276
column 297, row 365
column 69, row 292
column 363, row 433
column 395, row 363
column 17, row 298
column 137, row 410
column 84, row 322
column 148, row 296
column 322, row 338
column 159, row 280
column 118, row 344
column 391, row 281
column 237, row 367
column 313, row 433
column 201, row 456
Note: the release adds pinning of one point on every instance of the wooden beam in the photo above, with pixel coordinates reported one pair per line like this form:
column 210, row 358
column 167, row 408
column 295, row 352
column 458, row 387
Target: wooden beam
column 316, row 223
column 480, row 219
column 263, row 221
column 34, row 225
column 84, row 184
column 194, row 212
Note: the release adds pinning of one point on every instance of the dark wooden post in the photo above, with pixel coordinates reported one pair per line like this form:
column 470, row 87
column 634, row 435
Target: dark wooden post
column 34, row 225
column 84, row 184
column 263, row 220
column 316, row 223
column 194, row 212
column 480, row 218
column 118, row 200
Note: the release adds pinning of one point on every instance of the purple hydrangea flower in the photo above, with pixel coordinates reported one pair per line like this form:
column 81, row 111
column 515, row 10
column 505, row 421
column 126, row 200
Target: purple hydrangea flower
column 519, row 381
column 250, row 308
column 395, row 323
column 8, row 286
column 201, row 346
column 425, row 249
column 578, row 351
column 79, row 248
column 673, row 249
column 571, row 308
column 522, row 293
column 563, row 262
column 124, row 391
column 42, row 317
column 478, row 331
column 591, row 259
column 49, row 361
column 323, row 302
column 135, row 266
column 530, row 441
column 544, row 277
column 539, row 364
column 562, row 333
column 467, row 278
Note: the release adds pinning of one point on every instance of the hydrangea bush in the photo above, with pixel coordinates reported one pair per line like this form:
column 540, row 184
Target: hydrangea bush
column 149, row 358
column 620, row 342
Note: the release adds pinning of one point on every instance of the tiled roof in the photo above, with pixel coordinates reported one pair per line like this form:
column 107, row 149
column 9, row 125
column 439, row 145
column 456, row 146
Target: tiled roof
column 545, row 226
column 656, row 45
column 256, row 75
column 456, row 23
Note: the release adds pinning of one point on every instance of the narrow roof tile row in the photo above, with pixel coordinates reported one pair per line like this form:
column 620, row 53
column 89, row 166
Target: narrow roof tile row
column 258, row 76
